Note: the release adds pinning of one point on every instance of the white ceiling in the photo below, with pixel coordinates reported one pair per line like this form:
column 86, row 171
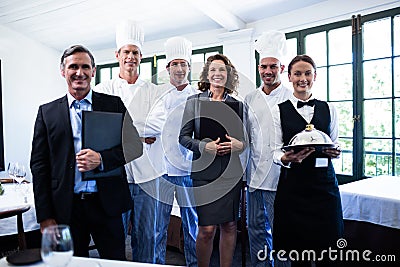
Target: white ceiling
column 60, row 23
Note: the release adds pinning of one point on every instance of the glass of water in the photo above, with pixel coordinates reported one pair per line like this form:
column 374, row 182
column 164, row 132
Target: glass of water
column 57, row 246
column 19, row 173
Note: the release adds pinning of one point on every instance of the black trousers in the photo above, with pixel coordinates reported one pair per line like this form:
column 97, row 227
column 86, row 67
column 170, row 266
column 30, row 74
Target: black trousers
column 89, row 220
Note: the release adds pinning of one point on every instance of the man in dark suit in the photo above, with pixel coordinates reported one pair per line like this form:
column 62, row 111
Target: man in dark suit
column 90, row 208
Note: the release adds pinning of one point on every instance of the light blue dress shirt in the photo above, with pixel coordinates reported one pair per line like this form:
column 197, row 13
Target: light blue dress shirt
column 75, row 111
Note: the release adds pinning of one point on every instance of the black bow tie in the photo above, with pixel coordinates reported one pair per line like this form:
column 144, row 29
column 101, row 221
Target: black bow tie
column 310, row 103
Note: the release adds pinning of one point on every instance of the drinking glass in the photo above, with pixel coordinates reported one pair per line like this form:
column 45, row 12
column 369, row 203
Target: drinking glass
column 57, row 245
column 19, row 173
column 10, row 169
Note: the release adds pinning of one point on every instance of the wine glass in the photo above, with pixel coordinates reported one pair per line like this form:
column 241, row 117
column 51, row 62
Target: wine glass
column 19, row 173
column 10, row 169
column 57, row 245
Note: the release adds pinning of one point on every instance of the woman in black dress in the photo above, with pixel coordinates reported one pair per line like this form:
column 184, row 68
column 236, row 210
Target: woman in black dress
column 308, row 213
column 216, row 167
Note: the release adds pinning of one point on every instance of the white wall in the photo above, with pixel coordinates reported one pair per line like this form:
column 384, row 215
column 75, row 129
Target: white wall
column 30, row 77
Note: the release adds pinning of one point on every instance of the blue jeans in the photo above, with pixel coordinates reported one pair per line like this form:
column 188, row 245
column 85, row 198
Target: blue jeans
column 144, row 233
column 126, row 217
column 181, row 186
column 260, row 216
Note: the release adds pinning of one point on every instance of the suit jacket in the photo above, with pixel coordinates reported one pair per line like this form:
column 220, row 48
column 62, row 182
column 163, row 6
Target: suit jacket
column 204, row 165
column 53, row 161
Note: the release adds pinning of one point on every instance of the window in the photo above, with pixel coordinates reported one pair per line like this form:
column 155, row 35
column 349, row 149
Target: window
column 146, row 69
column 381, row 99
column 153, row 68
column 106, row 72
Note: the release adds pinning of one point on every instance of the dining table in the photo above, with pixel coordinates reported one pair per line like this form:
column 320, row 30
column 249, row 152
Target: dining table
column 371, row 213
column 375, row 200
column 16, row 196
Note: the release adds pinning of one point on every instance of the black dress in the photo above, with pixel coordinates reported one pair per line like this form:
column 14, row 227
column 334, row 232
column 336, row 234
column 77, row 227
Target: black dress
column 308, row 212
column 216, row 180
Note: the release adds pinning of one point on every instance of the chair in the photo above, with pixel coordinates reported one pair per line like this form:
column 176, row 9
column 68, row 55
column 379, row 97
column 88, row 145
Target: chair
column 20, row 225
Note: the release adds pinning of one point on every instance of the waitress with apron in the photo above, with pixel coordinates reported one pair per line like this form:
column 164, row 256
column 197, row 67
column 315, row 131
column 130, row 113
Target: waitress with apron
column 308, row 212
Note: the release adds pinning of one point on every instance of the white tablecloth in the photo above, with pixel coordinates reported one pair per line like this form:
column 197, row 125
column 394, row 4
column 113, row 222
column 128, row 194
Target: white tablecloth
column 13, row 199
column 375, row 200
column 92, row 262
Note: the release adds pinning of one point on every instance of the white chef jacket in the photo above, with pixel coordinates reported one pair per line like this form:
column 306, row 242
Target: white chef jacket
column 307, row 112
column 178, row 159
column 261, row 173
column 142, row 101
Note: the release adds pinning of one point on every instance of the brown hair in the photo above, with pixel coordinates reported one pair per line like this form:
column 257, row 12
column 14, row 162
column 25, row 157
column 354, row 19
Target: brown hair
column 232, row 79
column 304, row 58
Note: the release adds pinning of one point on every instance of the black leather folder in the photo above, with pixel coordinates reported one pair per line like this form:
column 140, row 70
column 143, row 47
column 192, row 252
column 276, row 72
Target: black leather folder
column 218, row 118
column 101, row 131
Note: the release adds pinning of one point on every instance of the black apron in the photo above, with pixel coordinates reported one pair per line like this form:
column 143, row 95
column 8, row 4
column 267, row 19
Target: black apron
column 308, row 212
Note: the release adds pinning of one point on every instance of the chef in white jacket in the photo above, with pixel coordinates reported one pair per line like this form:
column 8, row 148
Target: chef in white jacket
column 178, row 159
column 261, row 174
column 141, row 99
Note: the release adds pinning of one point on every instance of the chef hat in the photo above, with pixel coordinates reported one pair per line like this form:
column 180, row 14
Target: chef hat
column 178, row 48
column 129, row 32
column 272, row 44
